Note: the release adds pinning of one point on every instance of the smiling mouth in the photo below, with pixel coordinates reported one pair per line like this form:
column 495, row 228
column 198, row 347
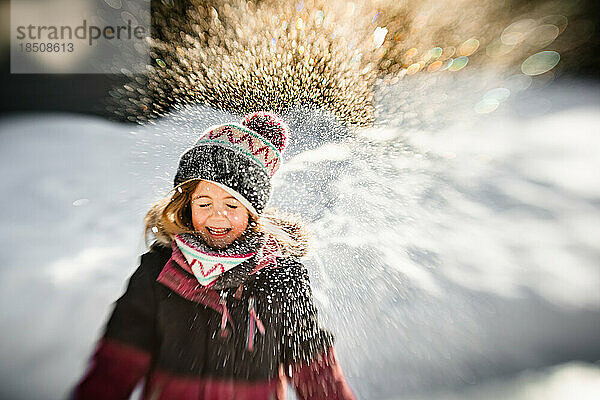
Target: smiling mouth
column 218, row 231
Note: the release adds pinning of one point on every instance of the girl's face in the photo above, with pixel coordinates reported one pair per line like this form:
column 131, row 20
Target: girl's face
column 216, row 215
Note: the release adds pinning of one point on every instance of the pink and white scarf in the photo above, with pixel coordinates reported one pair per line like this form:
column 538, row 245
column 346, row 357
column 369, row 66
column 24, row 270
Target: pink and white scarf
column 207, row 265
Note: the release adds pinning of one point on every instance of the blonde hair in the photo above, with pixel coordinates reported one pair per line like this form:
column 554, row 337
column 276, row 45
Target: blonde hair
column 172, row 215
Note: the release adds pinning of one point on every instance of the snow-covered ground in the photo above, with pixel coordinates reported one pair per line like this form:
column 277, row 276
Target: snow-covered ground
column 456, row 252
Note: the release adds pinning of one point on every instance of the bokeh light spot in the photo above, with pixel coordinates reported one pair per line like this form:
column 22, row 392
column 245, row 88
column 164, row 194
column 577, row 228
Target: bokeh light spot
column 540, row 63
column 448, row 52
column 420, row 20
column 458, row 64
column 515, row 32
column 410, row 53
column 542, row 35
column 560, row 21
column 116, row 4
column 497, row 49
column 518, row 82
column 500, row 94
column 413, row 69
column 486, row 106
column 469, row 47
column 434, row 66
column 126, row 16
column 447, row 64
column 434, row 53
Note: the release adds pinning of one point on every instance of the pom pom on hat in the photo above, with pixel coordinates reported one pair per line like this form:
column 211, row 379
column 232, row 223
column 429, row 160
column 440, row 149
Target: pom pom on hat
column 269, row 126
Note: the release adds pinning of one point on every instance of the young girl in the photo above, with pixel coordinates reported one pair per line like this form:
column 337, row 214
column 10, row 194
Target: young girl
column 220, row 307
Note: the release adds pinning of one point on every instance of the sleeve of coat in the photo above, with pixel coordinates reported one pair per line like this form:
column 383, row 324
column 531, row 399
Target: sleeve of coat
column 308, row 355
column 123, row 354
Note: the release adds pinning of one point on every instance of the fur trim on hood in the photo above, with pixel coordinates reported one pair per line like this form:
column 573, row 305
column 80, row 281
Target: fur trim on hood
column 289, row 231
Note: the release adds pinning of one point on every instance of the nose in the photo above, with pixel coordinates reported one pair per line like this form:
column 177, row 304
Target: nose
column 219, row 211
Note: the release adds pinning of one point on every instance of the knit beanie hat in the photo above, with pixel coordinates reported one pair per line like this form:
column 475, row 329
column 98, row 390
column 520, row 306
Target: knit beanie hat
column 240, row 158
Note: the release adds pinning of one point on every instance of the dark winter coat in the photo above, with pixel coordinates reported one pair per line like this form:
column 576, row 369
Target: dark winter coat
column 168, row 329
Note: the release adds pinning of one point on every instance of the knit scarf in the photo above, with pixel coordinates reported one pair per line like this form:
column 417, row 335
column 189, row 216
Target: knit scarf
column 208, row 264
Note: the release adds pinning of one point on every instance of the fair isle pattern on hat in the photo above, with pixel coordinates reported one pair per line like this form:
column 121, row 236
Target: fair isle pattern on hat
column 241, row 157
column 246, row 142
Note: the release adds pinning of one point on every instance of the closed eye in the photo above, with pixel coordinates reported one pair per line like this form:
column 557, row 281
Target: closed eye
column 232, row 206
